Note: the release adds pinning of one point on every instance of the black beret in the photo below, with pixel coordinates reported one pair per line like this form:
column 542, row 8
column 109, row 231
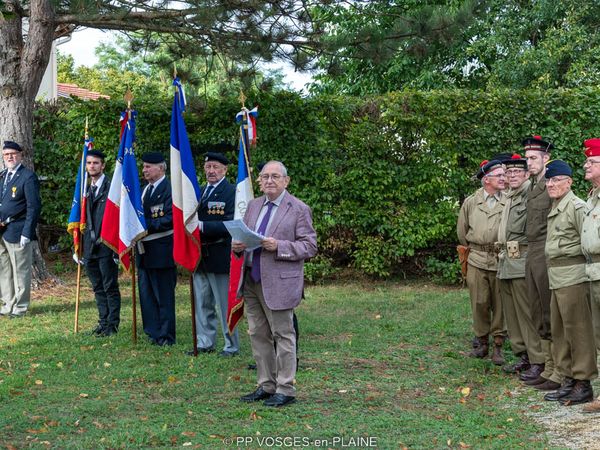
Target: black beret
column 260, row 166
column 516, row 161
column 153, row 157
column 487, row 166
column 219, row 157
column 12, row 145
column 97, row 154
column 556, row 168
column 536, row 143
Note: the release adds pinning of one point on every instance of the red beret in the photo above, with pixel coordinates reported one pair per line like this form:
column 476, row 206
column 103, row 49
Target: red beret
column 592, row 147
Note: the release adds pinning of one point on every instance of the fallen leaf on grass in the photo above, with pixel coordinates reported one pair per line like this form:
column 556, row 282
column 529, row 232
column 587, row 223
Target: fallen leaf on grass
column 83, row 395
column 171, row 379
column 463, row 445
column 343, row 391
column 187, row 444
column 480, row 397
column 188, row 434
column 254, row 416
column 107, row 364
column 535, row 407
column 449, row 442
column 466, row 391
column 216, row 436
column 98, row 424
column 51, row 423
column 378, row 316
column 308, row 427
column 59, row 365
column 35, row 366
column 39, row 382
column 462, row 400
column 510, row 419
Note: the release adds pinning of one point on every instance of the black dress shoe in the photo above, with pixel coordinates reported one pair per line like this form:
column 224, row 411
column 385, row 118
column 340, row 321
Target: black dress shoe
column 565, row 389
column 227, row 354
column 582, row 393
column 532, row 373
column 206, row 349
column 521, row 365
column 547, row 385
column 97, row 331
column 278, row 400
column 256, row 396
column 17, row 316
column 251, row 366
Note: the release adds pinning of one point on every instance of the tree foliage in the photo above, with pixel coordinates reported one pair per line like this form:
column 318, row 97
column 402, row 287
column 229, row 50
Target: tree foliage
column 512, row 44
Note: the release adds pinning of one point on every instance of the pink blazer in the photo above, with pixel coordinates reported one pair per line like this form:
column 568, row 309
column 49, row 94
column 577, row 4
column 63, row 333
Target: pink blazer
column 282, row 272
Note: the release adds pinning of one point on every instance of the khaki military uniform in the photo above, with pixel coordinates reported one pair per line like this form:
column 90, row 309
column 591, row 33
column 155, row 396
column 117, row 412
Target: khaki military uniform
column 572, row 330
column 477, row 228
column 590, row 245
column 536, row 272
column 522, row 332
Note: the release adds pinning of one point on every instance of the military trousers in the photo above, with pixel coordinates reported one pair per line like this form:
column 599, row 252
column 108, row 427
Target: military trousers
column 595, row 306
column 486, row 306
column 573, row 333
column 517, row 314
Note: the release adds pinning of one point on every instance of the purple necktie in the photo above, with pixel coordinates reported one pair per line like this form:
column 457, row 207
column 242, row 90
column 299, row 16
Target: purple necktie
column 255, row 271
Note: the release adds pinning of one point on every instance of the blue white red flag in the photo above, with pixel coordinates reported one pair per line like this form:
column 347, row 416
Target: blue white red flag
column 185, row 188
column 123, row 223
column 77, row 217
column 243, row 195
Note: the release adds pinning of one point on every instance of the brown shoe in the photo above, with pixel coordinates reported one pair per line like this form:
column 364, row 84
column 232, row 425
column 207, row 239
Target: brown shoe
column 497, row 357
column 480, row 347
column 533, row 373
column 593, row 407
column 547, row 385
column 538, row 380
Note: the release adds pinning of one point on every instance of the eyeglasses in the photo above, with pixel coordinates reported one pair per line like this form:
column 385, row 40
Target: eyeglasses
column 9, row 155
column 590, row 162
column 497, row 175
column 274, row 177
column 514, row 172
column 555, row 180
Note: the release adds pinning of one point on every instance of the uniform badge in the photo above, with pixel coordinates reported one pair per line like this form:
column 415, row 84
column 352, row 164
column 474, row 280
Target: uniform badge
column 14, row 191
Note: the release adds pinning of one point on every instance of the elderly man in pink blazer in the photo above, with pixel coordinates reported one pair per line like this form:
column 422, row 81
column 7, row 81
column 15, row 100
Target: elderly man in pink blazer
column 274, row 281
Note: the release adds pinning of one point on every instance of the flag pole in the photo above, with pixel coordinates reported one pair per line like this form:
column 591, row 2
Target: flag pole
column 244, row 130
column 78, row 252
column 193, row 302
column 133, row 298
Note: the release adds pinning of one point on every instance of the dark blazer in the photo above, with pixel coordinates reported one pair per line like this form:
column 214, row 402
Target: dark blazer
column 21, row 203
column 94, row 210
column 158, row 212
column 282, row 271
column 216, row 240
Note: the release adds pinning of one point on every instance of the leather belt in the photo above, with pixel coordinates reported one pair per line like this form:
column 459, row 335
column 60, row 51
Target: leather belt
column 490, row 248
column 566, row 261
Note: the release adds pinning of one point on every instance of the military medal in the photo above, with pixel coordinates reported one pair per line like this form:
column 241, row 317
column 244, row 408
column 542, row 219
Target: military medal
column 14, row 191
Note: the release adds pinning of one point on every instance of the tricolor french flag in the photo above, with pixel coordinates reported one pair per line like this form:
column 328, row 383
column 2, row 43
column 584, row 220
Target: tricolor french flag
column 123, row 223
column 243, row 195
column 185, row 188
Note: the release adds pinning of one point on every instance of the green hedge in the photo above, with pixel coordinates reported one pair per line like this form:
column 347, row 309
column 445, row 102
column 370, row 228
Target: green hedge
column 384, row 175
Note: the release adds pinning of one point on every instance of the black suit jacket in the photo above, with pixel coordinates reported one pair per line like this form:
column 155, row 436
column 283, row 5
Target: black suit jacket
column 94, row 210
column 21, row 203
column 158, row 212
column 216, row 240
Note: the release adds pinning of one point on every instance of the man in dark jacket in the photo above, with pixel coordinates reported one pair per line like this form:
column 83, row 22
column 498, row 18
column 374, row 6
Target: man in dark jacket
column 211, row 280
column 100, row 264
column 157, row 274
column 20, row 206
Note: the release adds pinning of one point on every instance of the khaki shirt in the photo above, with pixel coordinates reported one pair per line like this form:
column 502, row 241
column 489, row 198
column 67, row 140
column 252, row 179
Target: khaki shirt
column 512, row 229
column 590, row 235
column 564, row 241
column 478, row 224
column 538, row 207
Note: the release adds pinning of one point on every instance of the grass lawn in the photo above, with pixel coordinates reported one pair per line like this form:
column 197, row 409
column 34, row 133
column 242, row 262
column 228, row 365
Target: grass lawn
column 377, row 360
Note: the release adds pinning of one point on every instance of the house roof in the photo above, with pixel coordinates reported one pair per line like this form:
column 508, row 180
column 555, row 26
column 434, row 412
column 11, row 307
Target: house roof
column 72, row 90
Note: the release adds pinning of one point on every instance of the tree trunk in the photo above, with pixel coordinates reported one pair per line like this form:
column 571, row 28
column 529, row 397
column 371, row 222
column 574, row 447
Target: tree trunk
column 24, row 61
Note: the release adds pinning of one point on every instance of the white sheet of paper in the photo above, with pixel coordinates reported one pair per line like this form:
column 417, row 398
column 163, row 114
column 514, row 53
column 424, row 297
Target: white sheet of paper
column 241, row 233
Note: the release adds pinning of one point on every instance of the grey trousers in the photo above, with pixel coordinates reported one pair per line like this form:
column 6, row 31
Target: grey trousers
column 210, row 291
column 15, row 277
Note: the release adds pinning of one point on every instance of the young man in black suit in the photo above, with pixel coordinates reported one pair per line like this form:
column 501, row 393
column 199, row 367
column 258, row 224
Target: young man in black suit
column 100, row 261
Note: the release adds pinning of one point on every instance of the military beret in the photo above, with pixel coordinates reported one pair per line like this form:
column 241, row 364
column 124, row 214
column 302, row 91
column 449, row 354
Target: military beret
column 260, row 166
column 515, row 161
column 592, row 147
column 219, row 157
column 556, row 168
column 12, row 145
column 153, row 157
column 97, row 154
column 487, row 166
column 536, row 143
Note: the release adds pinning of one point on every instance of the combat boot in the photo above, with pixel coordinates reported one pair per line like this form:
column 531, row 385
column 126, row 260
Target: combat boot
column 533, row 373
column 582, row 393
column 520, row 366
column 497, row 357
column 565, row 389
column 480, row 347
